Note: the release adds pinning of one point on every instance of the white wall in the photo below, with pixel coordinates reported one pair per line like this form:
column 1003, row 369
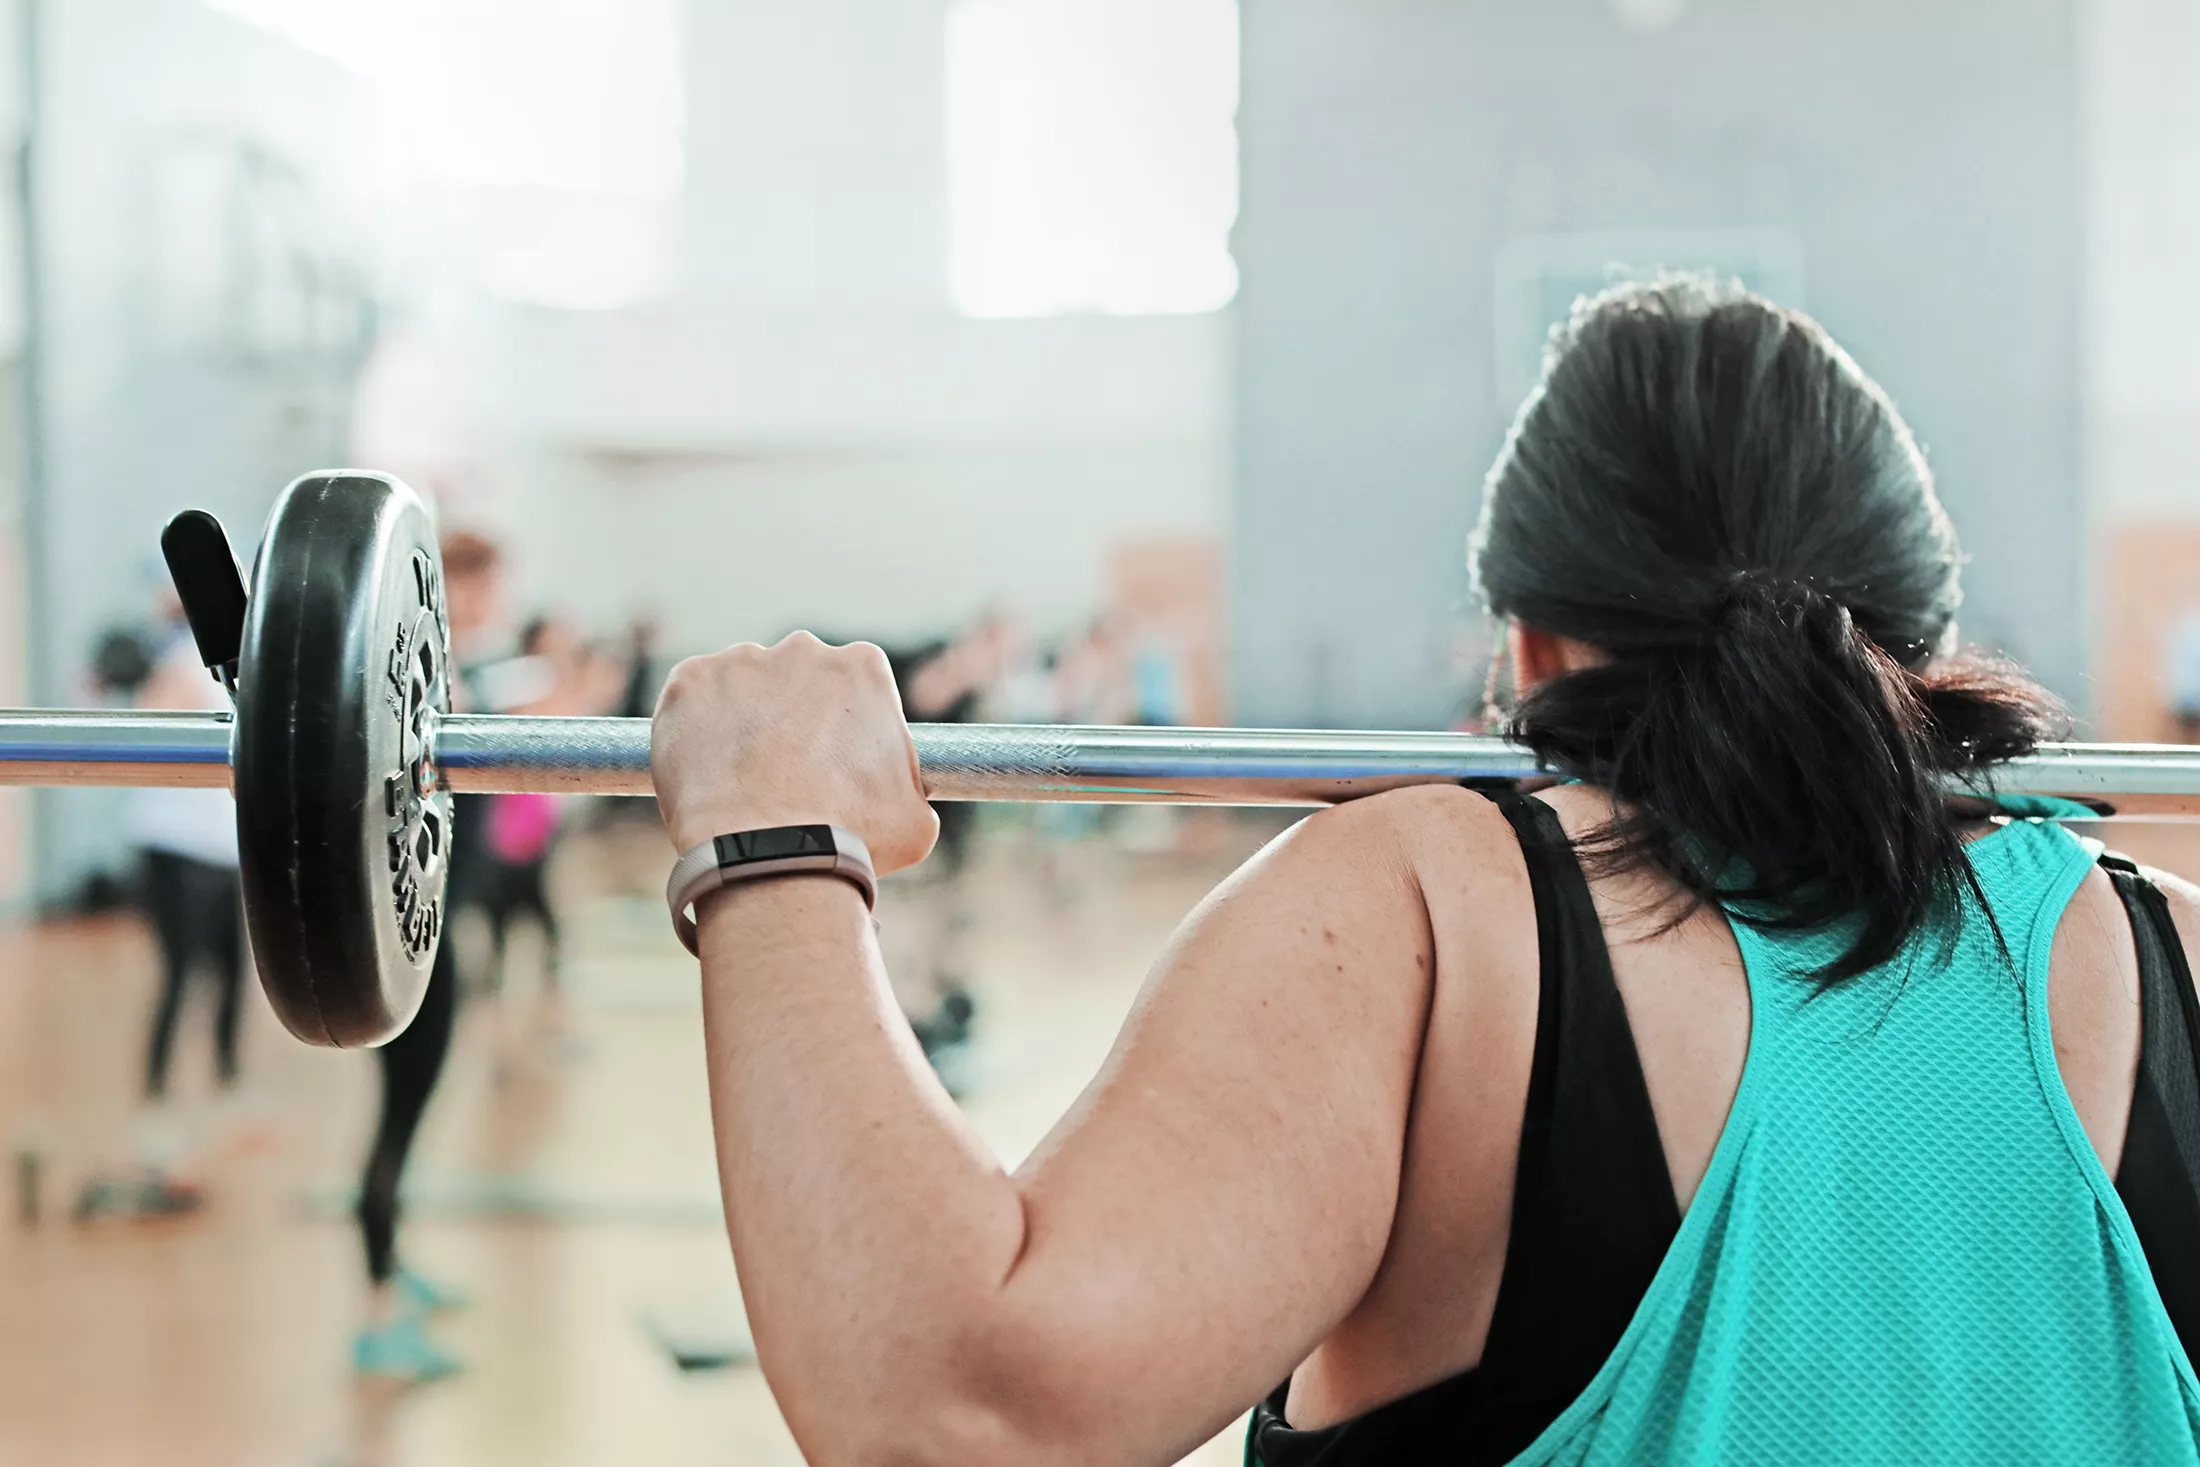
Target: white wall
column 897, row 542
column 172, row 369
column 2142, row 154
column 815, row 153
column 15, row 804
column 804, row 431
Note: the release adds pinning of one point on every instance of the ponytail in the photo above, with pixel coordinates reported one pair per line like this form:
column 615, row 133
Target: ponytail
column 1776, row 762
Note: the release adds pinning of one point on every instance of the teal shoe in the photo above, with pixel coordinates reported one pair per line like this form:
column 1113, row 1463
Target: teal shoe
column 425, row 1296
column 400, row 1351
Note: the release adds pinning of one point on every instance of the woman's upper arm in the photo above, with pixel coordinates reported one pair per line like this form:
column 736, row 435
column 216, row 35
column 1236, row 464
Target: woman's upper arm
column 1222, row 1194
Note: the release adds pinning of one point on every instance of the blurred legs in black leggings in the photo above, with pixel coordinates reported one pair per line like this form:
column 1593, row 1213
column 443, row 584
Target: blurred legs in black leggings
column 512, row 889
column 411, row 1064
column 413, row 1061
column 193, row 905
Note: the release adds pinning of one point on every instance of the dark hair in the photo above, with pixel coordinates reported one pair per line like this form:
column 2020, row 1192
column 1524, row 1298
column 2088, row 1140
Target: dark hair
column 1708, row 490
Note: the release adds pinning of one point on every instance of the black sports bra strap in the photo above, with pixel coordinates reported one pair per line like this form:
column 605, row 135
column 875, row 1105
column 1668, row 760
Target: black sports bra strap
column 1593, row 1206
column 2158, row 1174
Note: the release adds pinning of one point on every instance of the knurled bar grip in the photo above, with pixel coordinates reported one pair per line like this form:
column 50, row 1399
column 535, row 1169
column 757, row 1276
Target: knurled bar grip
column 1002, row 762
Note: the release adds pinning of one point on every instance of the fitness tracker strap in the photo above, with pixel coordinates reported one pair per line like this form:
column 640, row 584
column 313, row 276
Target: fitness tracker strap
column 747, row 855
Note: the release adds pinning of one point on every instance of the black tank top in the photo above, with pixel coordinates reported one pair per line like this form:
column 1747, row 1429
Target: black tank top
column 1593, row 1209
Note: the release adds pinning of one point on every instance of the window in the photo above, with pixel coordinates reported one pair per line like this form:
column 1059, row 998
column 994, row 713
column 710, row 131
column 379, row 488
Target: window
column 1091, row 156
column 547, row 141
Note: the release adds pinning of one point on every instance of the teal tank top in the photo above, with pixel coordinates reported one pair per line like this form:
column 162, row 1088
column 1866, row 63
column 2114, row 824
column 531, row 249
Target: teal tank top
column 1905, row 1249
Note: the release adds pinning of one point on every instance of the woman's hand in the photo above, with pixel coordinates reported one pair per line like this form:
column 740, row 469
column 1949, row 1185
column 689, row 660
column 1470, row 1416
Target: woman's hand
column 797, row 734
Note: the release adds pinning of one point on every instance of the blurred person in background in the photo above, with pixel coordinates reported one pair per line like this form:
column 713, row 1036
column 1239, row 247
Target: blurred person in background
column 1029, row 690
column 187, row 851
column 638, row 654
column 1093, row 676
column 394, row 1344
column 1092, row 683
column 946, row 681
column 638, row 699
column 189, row 842
column 1154, row 670
column 121, row 663
column 412, row 413
column 522, row 826
column 562, row 677
column 1157, row 680
column 2181, row 674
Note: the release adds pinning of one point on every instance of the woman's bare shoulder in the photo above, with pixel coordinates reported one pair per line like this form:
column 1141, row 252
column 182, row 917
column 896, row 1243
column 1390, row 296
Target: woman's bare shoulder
column 1455, row 827
column 1454, row 844
column 2184, row 906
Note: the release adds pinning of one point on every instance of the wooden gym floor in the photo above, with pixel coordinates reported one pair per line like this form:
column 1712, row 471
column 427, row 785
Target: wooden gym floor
column 564, row 1179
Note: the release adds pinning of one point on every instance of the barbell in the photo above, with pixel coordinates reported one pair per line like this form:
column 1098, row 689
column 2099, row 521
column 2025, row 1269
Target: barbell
column 342, row 752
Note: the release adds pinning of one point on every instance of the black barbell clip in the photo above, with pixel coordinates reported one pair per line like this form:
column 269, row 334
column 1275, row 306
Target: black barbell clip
column 211, row 586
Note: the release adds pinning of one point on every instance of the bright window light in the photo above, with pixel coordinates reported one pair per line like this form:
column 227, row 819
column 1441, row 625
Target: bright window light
column 1091, row 156
column 549, row 133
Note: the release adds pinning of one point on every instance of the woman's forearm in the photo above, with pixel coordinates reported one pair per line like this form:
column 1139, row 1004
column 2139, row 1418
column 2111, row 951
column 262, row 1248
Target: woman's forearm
column 872, row 1229
column 1217, row 1200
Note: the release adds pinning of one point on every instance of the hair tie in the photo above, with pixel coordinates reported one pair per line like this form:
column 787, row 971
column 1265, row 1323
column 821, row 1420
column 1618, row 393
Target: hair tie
column 1757, row 587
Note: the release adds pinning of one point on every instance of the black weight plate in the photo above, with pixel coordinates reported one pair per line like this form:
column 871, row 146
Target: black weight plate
column 342, row 838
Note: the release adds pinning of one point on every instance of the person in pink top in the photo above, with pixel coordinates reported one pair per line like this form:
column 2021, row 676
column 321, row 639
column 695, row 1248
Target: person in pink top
column 521, row 829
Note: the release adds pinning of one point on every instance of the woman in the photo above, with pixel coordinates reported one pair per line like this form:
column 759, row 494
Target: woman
column 394, row 1343
column 1743, row 1101
column 188, row 839
column 522, row 829
column 187, row 848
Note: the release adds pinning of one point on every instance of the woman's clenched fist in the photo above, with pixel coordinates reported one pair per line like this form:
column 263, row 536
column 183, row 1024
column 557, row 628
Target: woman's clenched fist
column 796, row 734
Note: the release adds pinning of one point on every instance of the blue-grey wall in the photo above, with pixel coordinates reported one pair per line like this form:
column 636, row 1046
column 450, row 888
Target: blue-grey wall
column 201, row 311
column 1912, row 170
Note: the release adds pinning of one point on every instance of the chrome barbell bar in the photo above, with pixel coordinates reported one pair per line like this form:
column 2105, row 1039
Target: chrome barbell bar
column 1013, row 762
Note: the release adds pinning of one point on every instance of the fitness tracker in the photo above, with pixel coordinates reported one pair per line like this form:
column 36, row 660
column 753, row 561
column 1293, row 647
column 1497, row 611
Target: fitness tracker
column 748, row 855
